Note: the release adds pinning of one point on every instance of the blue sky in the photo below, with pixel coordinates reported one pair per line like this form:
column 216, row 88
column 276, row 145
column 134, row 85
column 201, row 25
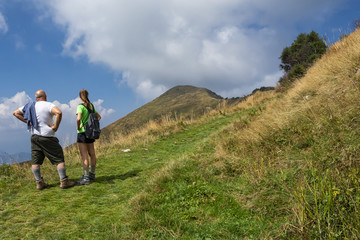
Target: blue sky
column 126, row 53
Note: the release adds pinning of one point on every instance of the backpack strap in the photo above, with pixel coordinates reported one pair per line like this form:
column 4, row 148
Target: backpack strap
column 89, row 111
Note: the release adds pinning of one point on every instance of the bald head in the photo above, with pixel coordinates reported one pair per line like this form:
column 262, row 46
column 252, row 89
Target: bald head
column 40, row 95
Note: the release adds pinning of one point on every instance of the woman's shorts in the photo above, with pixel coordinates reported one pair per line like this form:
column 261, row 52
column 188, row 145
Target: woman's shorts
column 81, row 138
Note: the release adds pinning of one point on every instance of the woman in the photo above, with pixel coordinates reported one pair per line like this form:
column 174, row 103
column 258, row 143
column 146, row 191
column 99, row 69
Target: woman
column 86, row 146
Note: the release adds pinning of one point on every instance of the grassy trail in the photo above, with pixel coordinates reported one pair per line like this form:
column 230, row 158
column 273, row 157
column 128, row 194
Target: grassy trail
column 99, row 210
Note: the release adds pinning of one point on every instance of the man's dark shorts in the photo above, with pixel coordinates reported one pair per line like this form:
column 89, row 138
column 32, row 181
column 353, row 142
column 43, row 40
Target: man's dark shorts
column 81, row 138
column 49, row 147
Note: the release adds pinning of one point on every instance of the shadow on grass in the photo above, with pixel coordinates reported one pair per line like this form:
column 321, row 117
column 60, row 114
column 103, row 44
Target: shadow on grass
column 102, row 179
column 110, row 179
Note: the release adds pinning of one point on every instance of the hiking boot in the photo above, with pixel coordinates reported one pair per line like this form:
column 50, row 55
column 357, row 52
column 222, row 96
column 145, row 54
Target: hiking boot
column 92, row 177
column 40, row 185
column 84, row 180
column 65, row 183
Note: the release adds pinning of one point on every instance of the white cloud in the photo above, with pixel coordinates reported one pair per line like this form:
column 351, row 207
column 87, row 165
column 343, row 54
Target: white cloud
column 3, row 25
column 101, row 110
column 66, row 133
column 142, row 86
column 219, row 44
column 8, row 105
column 68, row 110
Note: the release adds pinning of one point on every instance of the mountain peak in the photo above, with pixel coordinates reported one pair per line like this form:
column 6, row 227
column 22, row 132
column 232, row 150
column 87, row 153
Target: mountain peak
column 188, row 89
column 182, row 100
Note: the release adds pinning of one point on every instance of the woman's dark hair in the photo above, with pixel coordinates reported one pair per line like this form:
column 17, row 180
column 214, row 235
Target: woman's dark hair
column 84, row 96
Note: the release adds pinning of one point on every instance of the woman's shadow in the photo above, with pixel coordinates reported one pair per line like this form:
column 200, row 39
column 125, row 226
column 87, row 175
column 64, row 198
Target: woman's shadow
column 110, row 179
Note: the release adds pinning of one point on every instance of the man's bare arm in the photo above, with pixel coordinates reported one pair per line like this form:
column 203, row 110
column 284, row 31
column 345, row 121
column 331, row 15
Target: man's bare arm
column 19, row 115
column 58, row 116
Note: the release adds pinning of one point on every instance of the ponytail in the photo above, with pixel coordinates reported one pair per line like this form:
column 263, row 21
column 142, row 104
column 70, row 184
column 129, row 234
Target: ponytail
column 84, row 96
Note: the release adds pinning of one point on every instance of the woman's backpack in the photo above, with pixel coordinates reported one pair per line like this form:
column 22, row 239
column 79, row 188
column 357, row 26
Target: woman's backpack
column 92, row 127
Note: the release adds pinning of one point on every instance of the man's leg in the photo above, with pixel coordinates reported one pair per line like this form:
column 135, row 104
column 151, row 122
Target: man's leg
column 64, row 180
column 40, row 184
column 61, row 170
column 37, row 158
column 36, row 171
column 53, row 151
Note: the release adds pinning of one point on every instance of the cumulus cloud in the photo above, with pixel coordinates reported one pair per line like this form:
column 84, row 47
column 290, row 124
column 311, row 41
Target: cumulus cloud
column 3, row 25
column 7, row 106
column 10, row 126
column 104, row 112
column 219, row 44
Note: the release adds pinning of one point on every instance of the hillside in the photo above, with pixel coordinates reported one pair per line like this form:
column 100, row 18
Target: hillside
column 278, row 165
column 178, row 102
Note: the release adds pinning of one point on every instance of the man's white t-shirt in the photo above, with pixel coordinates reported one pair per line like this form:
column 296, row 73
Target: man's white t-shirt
column 44, row 117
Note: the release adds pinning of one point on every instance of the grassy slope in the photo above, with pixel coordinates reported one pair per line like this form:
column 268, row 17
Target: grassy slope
column 296, row 163
column 304, row 150
column 102, row 208
column 286, row 168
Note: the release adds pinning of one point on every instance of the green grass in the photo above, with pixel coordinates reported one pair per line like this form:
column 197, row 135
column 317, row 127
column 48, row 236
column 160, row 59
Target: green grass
column 106, row 209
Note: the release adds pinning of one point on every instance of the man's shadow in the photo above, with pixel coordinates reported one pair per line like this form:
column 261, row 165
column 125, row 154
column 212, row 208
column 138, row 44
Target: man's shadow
column 110, row 179
column 107, row 179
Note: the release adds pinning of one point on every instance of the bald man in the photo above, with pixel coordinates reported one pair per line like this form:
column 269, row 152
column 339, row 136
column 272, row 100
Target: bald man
column 39, row 117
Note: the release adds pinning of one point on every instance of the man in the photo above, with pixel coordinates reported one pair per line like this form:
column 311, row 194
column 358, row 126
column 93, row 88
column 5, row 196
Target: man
column 39, row 118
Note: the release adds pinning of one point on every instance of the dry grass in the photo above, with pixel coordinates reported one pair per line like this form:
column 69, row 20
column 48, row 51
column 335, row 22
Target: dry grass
column 322, row 106
column 328, row 86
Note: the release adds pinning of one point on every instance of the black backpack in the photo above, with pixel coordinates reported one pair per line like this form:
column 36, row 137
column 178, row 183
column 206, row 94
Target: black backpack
column 92, row 127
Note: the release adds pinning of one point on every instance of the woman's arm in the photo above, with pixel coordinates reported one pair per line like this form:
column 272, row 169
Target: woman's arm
column 78, row 121
column 98, row 116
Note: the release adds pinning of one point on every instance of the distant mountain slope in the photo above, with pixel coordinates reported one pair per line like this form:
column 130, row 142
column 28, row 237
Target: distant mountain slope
column 182, row 101
column 6, row 158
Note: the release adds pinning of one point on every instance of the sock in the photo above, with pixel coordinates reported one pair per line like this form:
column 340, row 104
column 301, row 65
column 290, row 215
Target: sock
column 86, row 171
column 93, row 169
column 37, row 174
column 62, row 173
